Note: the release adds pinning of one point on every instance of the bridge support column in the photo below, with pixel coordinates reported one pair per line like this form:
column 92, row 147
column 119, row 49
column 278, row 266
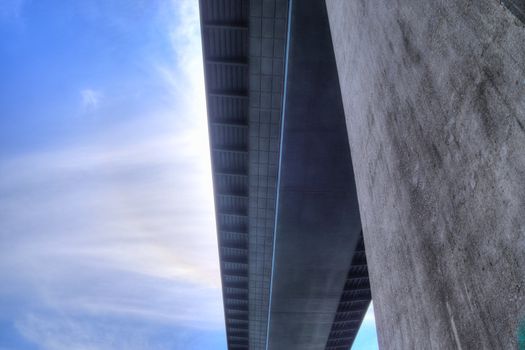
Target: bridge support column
column 434, row 98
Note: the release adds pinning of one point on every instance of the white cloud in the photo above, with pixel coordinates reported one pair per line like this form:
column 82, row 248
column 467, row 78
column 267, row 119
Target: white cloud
column 90, row 99
column 119, row 225
column 122, row 230
column 137, row 214
column 183, row 74
column 64, row 333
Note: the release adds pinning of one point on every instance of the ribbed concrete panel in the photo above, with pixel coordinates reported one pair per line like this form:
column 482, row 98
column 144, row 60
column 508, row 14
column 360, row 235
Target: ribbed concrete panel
column 243, row 46
column 225, row 41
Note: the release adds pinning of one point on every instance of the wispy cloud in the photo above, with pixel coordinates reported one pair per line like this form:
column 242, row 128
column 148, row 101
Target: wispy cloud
column 119, row 230
column 66, row 333
column 183, row 73
column 142, row 209
column 63, row 333
column 90, row 99
column 111, row 237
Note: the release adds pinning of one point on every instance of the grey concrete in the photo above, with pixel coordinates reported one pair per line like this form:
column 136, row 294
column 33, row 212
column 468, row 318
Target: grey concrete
column 318, row 218
column 434, row 96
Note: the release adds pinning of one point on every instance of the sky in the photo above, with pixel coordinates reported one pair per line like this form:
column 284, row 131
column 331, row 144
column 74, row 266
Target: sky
column 107, row 231
column 366, row 338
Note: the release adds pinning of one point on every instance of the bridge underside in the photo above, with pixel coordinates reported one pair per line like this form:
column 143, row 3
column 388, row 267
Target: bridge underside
column 293, row 266
column 318, row 225
column 433, row 94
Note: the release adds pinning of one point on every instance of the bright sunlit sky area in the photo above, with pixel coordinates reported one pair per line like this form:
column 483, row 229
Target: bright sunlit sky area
column 107, row 229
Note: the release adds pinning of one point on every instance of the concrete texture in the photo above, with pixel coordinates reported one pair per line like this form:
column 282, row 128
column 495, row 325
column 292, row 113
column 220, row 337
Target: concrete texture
column 318, row 222
column 434, row 97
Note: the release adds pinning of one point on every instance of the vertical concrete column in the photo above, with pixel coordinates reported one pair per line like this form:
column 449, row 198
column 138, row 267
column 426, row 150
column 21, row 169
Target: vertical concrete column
column 434, row 98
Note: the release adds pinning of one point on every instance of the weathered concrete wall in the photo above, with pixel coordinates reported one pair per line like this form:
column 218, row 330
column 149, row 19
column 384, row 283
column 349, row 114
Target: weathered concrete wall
column 434, row 96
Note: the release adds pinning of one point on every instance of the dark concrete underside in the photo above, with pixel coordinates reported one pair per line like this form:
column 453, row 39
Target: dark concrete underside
column 517, row 7
column 434, row 96
column 318, row 218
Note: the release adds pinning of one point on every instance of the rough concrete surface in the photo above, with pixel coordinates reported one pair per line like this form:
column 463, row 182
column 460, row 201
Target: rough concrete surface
column 434, row 97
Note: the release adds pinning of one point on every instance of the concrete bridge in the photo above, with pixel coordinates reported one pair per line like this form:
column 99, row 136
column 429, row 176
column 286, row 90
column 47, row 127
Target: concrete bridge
column 400, row 122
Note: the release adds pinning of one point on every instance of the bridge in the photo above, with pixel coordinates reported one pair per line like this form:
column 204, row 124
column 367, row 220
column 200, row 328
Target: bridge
column 292, row 258
column 293, row 250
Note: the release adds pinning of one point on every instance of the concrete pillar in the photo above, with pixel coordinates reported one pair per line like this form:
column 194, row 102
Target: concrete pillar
column 434, row 98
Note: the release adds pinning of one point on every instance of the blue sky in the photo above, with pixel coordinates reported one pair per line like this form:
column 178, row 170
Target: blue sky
column 367, row 337
column 107, row 232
